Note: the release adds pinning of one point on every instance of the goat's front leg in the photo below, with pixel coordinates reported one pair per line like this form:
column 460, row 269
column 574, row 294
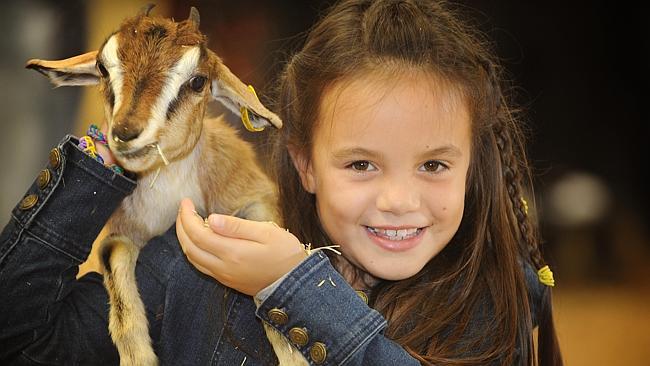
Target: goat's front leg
column 128, row 323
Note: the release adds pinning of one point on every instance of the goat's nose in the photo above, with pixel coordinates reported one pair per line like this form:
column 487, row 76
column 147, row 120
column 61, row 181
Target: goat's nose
column 125, row 134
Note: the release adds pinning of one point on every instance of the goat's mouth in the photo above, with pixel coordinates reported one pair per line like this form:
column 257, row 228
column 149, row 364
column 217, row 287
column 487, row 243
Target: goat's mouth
column 135, row 153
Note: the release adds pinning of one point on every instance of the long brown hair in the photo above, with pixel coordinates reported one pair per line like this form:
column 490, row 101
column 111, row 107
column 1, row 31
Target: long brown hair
column 470, row 303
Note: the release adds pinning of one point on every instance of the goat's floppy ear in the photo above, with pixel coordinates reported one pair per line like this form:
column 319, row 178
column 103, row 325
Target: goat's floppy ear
column 77, row 70
column 241, row 100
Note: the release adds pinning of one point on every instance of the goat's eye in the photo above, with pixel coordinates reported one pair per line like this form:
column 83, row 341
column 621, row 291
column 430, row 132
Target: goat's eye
column 102, row 69
column 197, row 83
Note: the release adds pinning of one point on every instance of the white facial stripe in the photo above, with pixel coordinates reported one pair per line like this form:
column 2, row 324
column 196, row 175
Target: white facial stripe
column 112, row 64
column 176, row 77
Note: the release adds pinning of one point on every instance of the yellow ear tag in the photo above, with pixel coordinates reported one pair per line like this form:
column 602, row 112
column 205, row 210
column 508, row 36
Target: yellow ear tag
column 546, row 276
column 244, row 115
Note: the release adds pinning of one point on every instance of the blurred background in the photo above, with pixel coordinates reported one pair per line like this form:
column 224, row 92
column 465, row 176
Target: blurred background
column 582, row 71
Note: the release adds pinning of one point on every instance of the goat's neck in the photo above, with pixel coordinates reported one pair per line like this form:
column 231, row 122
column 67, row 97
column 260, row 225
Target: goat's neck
column 175, row 179
column 153, row 205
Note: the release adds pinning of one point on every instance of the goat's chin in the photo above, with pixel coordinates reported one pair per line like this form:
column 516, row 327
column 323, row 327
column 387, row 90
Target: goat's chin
column 141, row 164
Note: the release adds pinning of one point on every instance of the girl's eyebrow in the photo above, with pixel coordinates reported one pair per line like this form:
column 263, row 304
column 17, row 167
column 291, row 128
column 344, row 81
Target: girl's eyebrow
column 450, row 150
column 355, row 153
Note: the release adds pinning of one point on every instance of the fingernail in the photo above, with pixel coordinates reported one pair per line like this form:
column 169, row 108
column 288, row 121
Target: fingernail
column 216, row 221
column 197, row 214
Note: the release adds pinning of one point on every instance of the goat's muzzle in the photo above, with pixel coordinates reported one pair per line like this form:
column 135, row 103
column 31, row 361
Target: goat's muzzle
column 125, row 133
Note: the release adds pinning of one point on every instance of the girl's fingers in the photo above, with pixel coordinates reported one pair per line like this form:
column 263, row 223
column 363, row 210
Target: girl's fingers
column 241, row 254
column 201, row 259
column 199, row 235
column 235, row 227
column 103, row 150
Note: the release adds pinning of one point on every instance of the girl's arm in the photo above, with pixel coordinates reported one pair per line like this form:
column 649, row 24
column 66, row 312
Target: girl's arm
column 46, row 315
column 312, row 304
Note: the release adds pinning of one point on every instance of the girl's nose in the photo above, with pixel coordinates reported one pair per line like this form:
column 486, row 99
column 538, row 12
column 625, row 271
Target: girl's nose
column 398, row 197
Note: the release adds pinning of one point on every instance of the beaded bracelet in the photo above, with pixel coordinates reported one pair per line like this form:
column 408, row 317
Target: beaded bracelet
column 97, row 135
column 87, row 145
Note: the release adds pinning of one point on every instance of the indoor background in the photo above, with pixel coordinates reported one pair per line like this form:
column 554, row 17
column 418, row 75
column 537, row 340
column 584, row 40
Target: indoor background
column 582, row 71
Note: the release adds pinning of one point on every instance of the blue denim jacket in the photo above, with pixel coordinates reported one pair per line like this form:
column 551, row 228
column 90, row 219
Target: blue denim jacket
column 49, row 317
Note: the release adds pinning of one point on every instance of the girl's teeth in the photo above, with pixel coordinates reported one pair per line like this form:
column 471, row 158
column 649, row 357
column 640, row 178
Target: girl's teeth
column 395, row 234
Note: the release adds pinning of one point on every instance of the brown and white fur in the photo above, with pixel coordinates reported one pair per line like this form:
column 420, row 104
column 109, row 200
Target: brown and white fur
column 151, row 73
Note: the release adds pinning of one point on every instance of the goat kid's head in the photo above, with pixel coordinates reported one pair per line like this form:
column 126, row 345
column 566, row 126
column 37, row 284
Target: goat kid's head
column 156, row 76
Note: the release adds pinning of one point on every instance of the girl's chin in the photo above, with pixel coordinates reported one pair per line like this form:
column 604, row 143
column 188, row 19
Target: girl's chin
column 369, row 270
column 395, row 274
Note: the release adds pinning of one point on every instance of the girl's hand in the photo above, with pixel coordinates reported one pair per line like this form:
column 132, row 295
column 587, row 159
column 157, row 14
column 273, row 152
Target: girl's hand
column 242, row 254
column 103, row 150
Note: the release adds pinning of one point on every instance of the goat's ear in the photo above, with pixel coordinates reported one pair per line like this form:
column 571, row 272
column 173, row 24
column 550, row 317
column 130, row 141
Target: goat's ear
column 77, row 70
column 241, row 100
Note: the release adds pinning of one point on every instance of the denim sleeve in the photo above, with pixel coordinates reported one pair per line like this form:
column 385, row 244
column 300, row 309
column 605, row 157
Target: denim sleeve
column 46, row 315
column 341, row 329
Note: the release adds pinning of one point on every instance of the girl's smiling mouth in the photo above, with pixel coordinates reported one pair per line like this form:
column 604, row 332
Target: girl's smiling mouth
column 395, row 239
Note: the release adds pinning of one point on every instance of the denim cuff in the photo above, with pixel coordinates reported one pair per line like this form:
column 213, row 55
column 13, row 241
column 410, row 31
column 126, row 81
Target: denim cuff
column 315, row 306
column 71, row 200
column 264, row 293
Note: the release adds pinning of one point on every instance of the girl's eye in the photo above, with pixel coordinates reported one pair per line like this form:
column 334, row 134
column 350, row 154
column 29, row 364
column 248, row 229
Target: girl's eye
column 102, row 69
column 197, row 83
column 433, row 166
column 362, row 166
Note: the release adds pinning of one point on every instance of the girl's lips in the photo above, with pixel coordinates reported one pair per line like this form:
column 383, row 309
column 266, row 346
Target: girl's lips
column 395, row 240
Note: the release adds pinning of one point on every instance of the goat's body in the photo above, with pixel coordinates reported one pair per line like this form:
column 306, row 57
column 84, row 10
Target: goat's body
column 220, row 175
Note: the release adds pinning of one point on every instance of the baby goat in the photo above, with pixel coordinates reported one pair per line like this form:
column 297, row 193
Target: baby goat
column 157, row 77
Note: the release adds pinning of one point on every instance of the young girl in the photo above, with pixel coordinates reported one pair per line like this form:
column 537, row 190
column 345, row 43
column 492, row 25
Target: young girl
column 400, row 149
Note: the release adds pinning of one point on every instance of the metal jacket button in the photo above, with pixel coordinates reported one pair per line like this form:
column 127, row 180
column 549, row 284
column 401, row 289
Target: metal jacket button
column 298, row 336
column 318, row 353
column 44, row 178
column 55, row 158
column 278, row 316
column 28, row 202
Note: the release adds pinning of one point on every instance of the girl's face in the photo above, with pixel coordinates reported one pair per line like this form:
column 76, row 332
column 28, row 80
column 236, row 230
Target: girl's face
column 388, row 168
